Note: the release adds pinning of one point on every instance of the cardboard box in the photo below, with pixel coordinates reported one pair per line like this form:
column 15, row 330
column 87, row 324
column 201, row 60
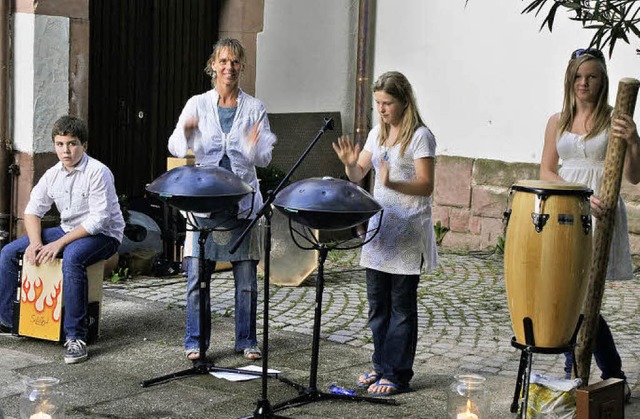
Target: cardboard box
column 173, row 162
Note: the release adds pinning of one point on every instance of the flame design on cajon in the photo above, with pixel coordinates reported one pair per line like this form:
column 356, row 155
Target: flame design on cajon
column 41, row 298
column 43, row 295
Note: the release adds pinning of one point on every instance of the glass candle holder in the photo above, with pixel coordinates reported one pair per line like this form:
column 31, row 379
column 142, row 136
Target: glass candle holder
column 468, row 398
column 42, row 399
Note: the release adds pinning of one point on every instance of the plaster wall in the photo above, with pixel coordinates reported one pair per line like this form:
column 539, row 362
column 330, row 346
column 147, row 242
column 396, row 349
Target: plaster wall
column 41, row 79
column 306, row 57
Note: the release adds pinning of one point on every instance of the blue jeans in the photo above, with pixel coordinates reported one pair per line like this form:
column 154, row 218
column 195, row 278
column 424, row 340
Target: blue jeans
column 393, row 319
column 246, row 302
column 77, row 256
column 604, row 352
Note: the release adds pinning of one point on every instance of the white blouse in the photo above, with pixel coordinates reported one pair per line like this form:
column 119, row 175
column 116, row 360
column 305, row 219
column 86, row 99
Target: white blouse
column 405, row 243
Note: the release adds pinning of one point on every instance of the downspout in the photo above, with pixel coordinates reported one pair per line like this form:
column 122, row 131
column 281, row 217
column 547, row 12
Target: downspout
column 5, row 144
column 362, row 123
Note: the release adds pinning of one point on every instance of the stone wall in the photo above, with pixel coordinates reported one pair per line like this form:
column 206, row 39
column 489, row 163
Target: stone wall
column 471, row 196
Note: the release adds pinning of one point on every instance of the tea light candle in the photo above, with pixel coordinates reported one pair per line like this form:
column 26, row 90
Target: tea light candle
column 467, row 414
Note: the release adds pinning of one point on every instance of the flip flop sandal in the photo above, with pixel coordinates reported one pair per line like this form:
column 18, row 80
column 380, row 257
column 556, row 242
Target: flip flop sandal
column 252, row 353
column 394, row 389
column 192, row 354
column 366, row 379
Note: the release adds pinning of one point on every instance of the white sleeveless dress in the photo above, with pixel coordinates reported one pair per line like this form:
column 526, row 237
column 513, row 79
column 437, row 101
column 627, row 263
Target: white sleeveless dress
column 583, row 162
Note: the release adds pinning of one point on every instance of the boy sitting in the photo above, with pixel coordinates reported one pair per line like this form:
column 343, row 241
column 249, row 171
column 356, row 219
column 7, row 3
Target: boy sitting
column 91, row 229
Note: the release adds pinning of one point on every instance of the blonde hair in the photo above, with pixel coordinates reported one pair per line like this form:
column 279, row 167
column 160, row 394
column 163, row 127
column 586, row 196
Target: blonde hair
column 235, row 48
column 601, row 118
column 396, row 84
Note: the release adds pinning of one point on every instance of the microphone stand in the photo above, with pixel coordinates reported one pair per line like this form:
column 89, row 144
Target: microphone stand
column 264, row 408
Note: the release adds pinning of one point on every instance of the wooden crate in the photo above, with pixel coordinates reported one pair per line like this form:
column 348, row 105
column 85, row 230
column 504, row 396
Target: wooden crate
column 603, row 400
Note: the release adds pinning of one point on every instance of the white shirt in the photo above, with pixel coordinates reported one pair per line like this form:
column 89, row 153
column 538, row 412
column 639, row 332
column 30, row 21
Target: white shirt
column 209, row 143
column 405, row 243
column 85, row 196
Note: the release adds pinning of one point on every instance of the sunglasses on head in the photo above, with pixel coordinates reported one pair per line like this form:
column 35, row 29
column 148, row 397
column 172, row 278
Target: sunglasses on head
column 589, row 51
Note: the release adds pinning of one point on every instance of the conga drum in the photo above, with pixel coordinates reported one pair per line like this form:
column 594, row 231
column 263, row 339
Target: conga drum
column 547, row 257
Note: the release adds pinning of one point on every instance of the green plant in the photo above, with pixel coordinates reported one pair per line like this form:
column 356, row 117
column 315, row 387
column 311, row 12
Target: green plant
column 119, row 274
column 440, row 232
column 612, row 20
column 500, row 245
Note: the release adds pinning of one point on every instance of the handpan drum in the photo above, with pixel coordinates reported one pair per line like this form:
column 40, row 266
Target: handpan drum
column 198, row 188
column 326, row 203
column 547, row 258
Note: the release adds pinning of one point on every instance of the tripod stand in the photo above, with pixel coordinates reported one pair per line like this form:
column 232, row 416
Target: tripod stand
column 310, row 393
column 201, row 365
column 521, row 392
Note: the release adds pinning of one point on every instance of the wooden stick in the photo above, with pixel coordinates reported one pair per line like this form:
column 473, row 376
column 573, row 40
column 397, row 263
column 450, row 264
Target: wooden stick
column 609, row 191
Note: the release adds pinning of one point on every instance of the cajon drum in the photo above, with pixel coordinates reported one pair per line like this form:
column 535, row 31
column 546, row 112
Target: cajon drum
column 40, row 300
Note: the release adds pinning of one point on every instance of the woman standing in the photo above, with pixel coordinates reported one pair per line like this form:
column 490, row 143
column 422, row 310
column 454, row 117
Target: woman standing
column 401, row 149
column 578, row 136
column 228, row 128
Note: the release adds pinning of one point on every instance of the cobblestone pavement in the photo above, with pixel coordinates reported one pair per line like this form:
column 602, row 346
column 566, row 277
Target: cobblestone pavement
column 463, row 313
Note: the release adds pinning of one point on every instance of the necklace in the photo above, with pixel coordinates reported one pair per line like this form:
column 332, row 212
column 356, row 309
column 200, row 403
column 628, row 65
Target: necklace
column 385, row 152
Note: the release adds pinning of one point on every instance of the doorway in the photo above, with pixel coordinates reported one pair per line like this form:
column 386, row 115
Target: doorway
column 146, row 59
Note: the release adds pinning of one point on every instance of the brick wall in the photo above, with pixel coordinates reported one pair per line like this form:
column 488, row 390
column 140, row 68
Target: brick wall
column 471, row 196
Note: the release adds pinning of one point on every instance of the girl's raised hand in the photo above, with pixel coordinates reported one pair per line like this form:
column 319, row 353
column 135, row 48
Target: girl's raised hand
column 347, row 152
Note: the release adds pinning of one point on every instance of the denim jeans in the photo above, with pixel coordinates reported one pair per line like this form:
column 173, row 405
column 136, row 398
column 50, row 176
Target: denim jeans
column 604, row 352
column 246, row 302
column 77, row 256
column 393, row 319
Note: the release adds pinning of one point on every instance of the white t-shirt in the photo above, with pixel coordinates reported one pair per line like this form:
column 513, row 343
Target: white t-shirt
column 405, row 243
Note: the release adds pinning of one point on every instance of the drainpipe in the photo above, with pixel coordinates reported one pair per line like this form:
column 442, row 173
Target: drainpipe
column 362, row 124
column 5, row 144
column 361, row 121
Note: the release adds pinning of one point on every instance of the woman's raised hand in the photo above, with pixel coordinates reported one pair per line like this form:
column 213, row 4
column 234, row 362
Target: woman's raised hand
column 347, row 152
column 190, row 125
column 253, row 135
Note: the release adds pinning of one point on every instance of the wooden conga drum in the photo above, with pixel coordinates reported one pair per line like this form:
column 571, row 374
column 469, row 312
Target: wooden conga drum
column 547, row 259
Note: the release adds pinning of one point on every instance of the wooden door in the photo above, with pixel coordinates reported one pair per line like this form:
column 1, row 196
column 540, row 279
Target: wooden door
column 146, row 59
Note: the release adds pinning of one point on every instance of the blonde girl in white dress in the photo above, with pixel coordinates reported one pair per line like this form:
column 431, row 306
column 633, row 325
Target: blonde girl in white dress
column 401, row 150
column 577, row 137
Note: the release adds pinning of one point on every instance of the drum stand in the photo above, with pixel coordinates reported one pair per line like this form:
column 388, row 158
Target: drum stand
column 526, row 362
column 201, row 366
column 311, row 393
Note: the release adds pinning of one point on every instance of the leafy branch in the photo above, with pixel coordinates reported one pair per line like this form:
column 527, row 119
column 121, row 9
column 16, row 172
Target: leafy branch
column 612, row 20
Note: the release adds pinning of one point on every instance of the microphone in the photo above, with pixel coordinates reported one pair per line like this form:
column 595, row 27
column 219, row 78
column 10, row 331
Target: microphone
column 328, row 124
